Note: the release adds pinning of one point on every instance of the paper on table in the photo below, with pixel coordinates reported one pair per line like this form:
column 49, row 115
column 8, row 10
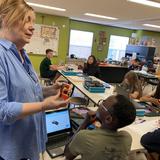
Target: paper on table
column 144, row 127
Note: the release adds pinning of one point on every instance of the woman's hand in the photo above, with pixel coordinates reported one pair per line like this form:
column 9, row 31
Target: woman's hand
column 134, row 95
column 52, row 90
column 54, row 102
column 145, row 99
column 57, row 85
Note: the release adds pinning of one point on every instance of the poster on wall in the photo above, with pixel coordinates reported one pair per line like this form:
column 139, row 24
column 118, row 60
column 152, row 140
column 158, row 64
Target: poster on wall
column 44, row 37
column 101, row 41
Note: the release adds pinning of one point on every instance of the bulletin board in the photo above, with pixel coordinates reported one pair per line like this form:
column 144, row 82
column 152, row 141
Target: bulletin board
column 44, row 37
column 101, row 41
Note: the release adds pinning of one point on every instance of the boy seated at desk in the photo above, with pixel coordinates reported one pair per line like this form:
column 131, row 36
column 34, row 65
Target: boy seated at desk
column 154, row 99
column 106, row 142
column 47, row 69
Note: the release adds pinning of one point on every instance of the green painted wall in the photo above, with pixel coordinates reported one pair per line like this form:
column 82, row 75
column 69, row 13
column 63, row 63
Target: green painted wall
column 150, row 35
column 63, row 24
column 141, row 33
column 95, row 28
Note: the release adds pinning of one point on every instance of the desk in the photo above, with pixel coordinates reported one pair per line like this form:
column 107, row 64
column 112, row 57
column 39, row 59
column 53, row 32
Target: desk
column 94, row 97
column 112, row 73
column 138, row 133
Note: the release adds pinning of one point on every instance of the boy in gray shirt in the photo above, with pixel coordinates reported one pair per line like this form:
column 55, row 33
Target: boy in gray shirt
column 106, row 142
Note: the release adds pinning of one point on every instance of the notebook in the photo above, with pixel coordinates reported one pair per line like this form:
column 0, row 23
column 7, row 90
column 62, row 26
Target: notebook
column 59, row 131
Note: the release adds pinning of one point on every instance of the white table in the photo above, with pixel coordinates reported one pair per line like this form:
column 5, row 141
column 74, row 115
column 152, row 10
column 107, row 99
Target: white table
column 94, row 97
column 138, row 130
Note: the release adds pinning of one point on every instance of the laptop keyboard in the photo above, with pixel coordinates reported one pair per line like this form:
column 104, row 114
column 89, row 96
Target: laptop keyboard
column 58, row 141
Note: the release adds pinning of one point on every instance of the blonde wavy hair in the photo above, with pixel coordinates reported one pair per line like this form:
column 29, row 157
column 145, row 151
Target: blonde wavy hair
column 12, row 11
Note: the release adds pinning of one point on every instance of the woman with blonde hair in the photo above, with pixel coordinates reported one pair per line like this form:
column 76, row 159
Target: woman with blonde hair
column 132, row 85
column 22, row 106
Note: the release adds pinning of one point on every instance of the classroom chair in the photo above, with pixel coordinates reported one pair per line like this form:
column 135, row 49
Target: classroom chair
column 45, row 81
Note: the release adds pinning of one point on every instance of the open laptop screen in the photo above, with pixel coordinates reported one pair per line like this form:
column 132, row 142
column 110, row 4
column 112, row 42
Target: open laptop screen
column 58, row 122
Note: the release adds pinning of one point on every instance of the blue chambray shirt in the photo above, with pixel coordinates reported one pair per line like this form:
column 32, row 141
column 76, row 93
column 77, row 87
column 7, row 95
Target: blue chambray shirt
column 23, row 138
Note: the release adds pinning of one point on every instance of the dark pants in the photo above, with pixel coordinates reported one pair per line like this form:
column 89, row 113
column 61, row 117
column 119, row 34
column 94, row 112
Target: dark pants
column 151, row 141
column 51, row 75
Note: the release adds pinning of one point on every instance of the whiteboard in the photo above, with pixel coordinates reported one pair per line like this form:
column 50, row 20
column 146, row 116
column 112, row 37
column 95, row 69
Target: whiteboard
column 44, row 37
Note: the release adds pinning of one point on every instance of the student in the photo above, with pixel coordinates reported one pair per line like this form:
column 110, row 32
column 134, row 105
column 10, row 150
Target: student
column 91, row 67
column 150, row 66
column 106, row 142
column 22, row 118
column 153, row 98
column 151, row 141
column 135, row 64
column 47, row 69
column 132, row 85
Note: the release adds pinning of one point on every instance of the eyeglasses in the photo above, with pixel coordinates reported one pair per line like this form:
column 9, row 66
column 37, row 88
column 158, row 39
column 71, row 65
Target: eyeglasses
column 100, row 104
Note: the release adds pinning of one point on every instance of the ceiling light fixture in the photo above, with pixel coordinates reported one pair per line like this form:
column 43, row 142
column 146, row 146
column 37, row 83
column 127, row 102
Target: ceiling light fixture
column 151, row 25
column 100, row 16
column 46, row 7
column 146, row 2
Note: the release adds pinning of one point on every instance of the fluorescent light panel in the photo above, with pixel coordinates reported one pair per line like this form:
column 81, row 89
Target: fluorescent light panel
column 151, row 25
column 146, row 2
column 46, row 7
column 100, row 16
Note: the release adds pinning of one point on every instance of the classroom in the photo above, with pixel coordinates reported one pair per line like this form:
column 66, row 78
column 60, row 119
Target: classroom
column 80, row 80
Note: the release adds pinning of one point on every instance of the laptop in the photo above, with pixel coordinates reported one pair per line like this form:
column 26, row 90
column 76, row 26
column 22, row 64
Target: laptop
column 59, row 131
column 120, row 90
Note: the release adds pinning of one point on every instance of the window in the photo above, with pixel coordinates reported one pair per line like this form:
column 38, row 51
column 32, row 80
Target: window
column 80, row 43
column 117, row 47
